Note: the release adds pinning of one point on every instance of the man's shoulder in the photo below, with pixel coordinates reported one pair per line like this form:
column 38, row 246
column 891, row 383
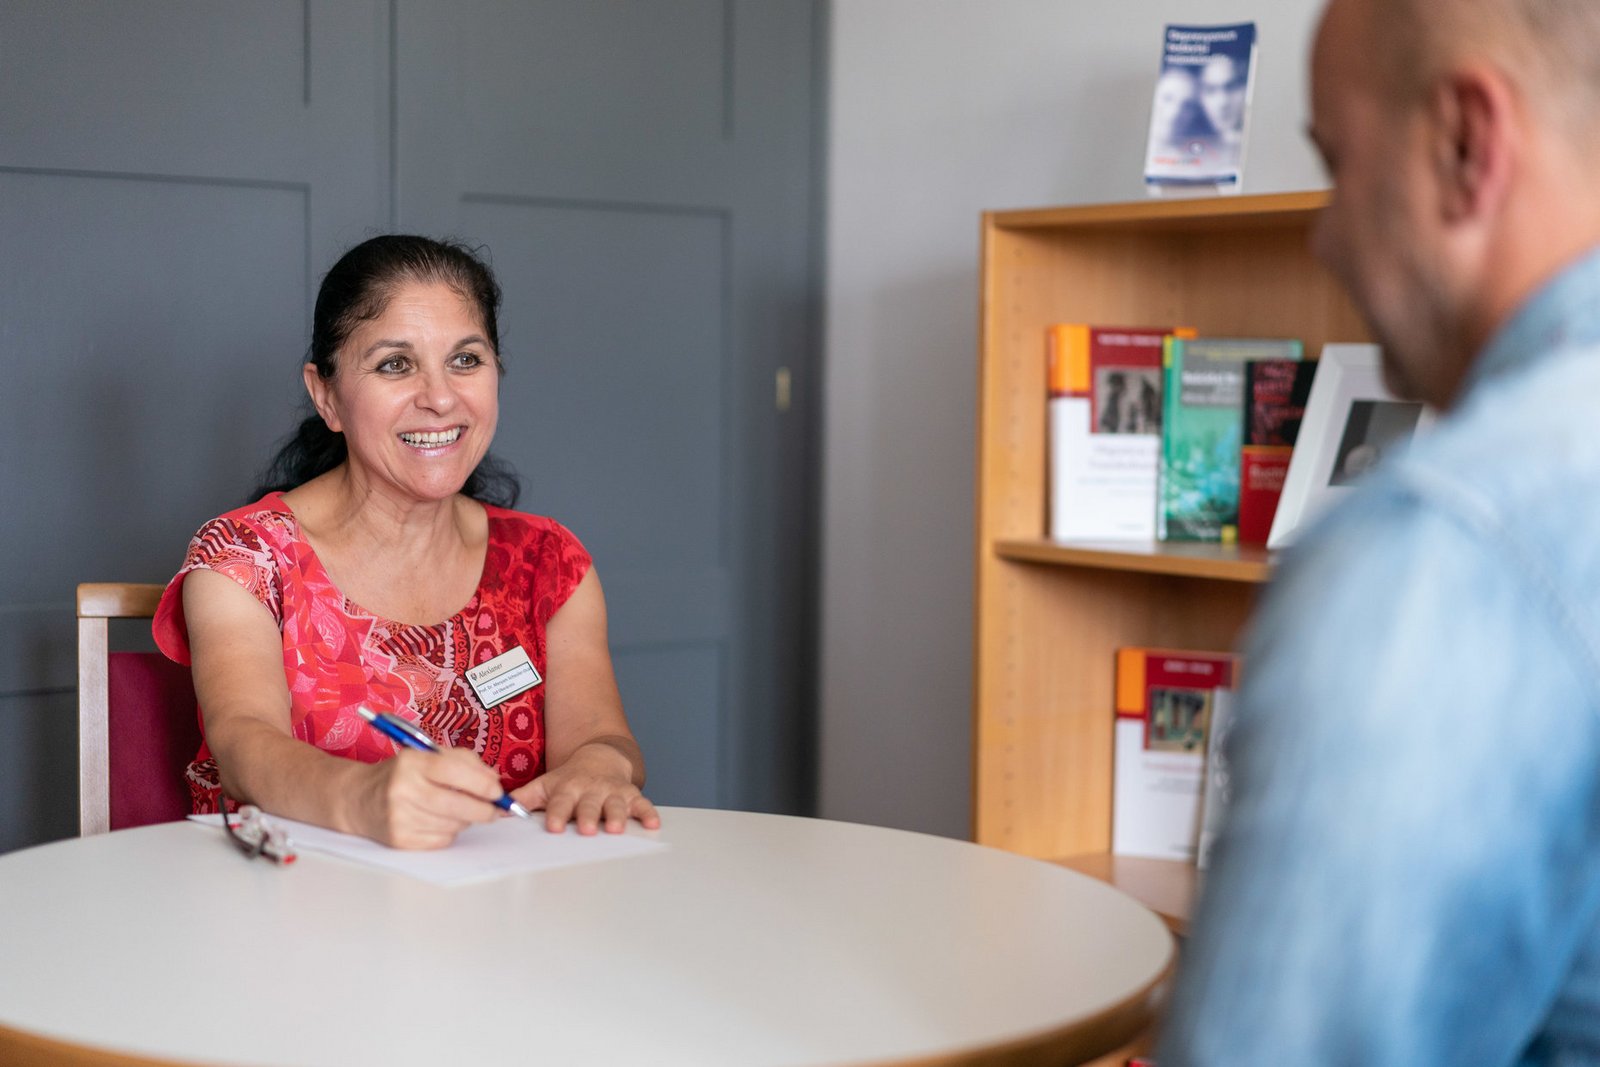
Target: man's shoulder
column 1501, row 494
column 1521, row 455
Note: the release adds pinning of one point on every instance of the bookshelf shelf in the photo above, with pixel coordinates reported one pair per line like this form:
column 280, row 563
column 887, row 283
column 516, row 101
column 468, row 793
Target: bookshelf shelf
column 1049, row 615
column 1231, row 563
column 1171, row 216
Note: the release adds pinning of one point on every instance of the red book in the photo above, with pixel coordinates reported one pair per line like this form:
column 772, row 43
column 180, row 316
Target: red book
column 1117, row 367
column 1170, row 690
column 1105, row 430
column 1275, row 392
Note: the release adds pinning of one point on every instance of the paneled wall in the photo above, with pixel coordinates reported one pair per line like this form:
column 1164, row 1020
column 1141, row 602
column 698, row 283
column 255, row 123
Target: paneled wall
column 176, row 174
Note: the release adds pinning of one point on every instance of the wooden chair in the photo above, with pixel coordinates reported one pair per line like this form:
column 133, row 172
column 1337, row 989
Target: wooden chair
column 137, row 723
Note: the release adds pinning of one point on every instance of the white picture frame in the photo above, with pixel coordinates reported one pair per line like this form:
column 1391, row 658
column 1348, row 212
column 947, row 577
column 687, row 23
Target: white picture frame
column 1351, row 419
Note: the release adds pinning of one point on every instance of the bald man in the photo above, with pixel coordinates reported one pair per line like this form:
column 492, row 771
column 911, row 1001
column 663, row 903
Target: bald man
column 1410, row 870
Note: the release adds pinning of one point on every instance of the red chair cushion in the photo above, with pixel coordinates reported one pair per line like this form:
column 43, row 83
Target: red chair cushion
column 154, row 733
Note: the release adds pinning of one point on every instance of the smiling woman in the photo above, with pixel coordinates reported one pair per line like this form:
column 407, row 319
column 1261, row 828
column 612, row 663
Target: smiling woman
column 382, row 568
column 352, row 294
column 417, row 405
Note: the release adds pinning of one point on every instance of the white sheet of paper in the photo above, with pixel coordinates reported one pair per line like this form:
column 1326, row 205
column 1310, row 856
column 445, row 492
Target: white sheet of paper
column 487, row 850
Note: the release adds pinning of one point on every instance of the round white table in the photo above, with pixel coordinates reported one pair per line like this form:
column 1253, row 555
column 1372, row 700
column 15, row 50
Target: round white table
column 750, row 940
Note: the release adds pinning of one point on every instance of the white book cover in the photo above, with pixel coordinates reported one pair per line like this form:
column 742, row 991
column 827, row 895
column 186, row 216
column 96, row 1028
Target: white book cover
column 1102, row 485
column 1155, row 803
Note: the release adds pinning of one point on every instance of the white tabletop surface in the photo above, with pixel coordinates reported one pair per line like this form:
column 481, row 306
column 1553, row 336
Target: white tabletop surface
column 750, row 940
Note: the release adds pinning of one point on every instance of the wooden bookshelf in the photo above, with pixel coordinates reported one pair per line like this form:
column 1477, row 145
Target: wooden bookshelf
column 1050, row 616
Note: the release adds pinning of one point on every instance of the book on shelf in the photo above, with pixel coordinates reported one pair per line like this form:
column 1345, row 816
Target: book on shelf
column 1164, row 705
column 1201, row 419
column 1275, row 394
column 1104, row 430
column 1200, row 108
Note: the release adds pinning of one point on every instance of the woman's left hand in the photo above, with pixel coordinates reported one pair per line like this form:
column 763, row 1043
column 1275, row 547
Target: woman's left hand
column 593, row 788
column 596, row 768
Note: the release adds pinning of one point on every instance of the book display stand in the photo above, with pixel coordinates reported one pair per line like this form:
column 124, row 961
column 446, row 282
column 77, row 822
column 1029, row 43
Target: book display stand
column 1050, row 615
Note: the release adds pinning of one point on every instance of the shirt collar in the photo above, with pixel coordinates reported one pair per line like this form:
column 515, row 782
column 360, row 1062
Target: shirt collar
column 1563, row 313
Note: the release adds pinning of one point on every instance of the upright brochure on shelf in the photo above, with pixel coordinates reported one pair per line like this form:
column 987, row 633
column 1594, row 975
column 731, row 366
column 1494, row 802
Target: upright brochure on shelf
column 1105, row 430
column 1165, row 700
column 1200, row 109
column 1275, row 394
column 1202, row 416
column 1218, row 788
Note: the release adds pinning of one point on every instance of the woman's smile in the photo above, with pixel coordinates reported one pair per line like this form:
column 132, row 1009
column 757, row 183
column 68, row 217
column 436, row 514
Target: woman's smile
column 432, row 442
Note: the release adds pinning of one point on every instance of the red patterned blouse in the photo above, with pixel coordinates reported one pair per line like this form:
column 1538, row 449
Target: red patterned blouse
column 338, row 656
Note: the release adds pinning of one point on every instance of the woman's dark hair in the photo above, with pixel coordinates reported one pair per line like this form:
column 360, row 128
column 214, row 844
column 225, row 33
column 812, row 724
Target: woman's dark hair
column 356, row 290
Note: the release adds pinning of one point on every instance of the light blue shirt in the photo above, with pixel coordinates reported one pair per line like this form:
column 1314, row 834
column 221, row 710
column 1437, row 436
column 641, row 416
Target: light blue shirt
column 1410, row 871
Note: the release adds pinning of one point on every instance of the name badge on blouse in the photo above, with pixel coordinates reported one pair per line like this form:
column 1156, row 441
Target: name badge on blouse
column 498, row 680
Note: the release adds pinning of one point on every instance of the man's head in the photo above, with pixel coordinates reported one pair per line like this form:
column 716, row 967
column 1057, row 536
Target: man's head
column 1460, row 139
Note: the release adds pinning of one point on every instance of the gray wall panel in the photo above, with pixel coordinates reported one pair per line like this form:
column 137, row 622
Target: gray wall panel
column 602, row 100
column 171, row 174
column 614, row 107
column 143, row 63
column 613, row 329
column 162, row 322
column 655, row 607
column 615, row 411
column 38, row 646
column 665, row 690
column 38, row 768
column 609, row 82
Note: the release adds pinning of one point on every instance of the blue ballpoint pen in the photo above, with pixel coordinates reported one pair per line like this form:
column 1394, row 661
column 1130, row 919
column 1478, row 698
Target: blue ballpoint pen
column 403, row 733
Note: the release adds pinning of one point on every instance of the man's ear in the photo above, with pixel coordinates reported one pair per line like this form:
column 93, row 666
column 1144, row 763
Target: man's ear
column 321, row 396
column 1473, row 129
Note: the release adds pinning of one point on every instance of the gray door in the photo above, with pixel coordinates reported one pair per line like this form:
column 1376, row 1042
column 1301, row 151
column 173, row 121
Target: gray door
column 641, row 174
column 174, row 175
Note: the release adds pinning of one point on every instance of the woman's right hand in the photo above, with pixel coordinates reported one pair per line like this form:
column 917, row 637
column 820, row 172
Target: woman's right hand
column 415, row 800
column 421, row 800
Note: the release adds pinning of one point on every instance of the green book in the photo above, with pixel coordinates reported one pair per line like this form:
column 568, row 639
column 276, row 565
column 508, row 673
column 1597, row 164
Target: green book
column 1202, row 405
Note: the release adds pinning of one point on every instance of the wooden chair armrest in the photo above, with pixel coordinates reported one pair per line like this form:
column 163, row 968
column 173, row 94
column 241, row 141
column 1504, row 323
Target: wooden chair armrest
column 118, row 600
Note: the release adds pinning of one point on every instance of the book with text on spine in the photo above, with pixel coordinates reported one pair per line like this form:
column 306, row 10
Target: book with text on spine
column 1201, row 419
column 1164, row 700
column 1105, row 430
